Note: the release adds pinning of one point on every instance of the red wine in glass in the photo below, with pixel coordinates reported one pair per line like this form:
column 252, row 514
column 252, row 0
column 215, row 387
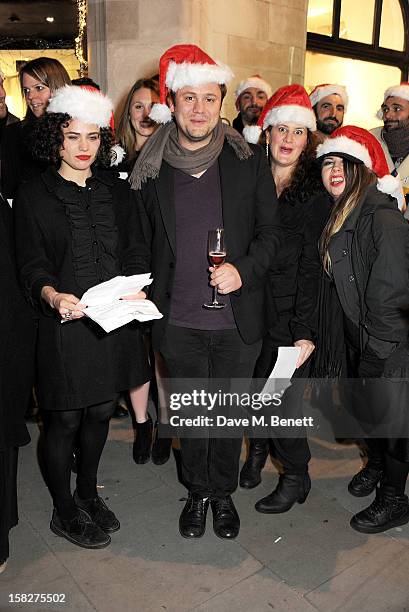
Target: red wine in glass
column 216, row 250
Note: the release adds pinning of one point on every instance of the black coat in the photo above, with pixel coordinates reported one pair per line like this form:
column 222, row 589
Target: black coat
column 296, row 270
column 17, row 162
column 17, row 342
column 71, row 239
column 253, row 234
column 370, row 264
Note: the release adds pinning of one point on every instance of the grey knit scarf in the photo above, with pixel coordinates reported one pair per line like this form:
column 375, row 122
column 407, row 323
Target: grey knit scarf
column 164, row 145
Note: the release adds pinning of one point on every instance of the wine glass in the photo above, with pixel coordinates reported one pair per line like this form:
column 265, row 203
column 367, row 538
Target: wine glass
column 216, row 250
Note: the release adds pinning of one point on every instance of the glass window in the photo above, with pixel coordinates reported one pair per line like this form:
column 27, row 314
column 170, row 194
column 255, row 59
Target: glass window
column 363, row 103
column 319, row 17
column 357, row 20
column 392, row 35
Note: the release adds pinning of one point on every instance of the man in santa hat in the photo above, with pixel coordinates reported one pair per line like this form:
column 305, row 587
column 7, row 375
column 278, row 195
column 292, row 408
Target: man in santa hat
column 196, row 174
column 251, row 97
column 329, row 103
column 394, row 134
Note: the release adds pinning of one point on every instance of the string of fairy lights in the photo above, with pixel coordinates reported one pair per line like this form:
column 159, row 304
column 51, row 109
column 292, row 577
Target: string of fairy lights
column 79, row 41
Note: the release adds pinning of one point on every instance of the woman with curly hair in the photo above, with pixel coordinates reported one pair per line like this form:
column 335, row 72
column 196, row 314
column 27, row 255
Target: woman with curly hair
column 135, row 127
column 76, row 227
column 287, row 122
column 39, row 79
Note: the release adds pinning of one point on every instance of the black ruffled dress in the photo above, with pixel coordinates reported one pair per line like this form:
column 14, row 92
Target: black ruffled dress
column 73, row 238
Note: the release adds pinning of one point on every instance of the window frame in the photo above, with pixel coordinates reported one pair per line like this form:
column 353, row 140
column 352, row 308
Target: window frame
column 341, row 47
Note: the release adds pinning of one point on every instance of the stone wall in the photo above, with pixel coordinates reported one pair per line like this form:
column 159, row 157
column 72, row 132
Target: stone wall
column 251, row 36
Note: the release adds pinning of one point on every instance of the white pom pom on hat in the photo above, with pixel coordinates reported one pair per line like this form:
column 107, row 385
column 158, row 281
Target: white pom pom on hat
column 184, row 65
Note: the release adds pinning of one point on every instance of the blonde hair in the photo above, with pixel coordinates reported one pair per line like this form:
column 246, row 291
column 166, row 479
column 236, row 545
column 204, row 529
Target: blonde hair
column 357, row 178
column 125, row 132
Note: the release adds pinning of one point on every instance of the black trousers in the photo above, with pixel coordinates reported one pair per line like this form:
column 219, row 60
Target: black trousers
column 293, row 453
column 210, row 466
column 8, row 497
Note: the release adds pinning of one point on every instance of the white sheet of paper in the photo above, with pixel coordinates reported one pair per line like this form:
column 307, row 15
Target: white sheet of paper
column 286, row 362
column 105, row 308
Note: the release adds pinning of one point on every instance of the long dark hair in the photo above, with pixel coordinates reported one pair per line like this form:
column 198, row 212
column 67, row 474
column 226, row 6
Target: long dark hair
column 305, row 180
column 47, row 138
column 357, row 178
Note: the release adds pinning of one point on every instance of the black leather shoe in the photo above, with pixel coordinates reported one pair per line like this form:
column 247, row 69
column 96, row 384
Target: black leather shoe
column 291, row 488
column 143, row 441
column 226, row 521
column 250, row 475
column 192, row 521
column 81, row 530
column 98, row 512
column 386, row 511
column 365, row 481
column 161, row 448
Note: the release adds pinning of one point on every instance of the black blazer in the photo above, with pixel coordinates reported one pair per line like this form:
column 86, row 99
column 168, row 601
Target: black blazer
column 253, row 234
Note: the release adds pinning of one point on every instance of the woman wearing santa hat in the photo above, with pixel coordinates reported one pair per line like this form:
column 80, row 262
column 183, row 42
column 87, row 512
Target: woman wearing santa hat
column 363, row 313
column 288, row 123
column 76, row 226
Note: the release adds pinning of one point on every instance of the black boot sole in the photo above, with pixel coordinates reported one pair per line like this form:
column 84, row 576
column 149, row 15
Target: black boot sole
column 64, row 534
column 379, row 528
column 358, row 494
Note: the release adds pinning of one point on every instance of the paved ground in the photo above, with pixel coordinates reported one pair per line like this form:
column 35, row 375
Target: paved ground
column 306, row 560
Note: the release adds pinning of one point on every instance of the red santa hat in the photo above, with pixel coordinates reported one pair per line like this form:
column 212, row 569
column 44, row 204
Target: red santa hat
column 288, row 104
column 184, row 65
column 359, row 145
column 328, row 89
column 253, row 81
column 397, row 91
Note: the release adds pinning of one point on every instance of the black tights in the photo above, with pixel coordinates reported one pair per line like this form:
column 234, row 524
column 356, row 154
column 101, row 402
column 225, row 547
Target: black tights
column 396, row 472
column 87, row 429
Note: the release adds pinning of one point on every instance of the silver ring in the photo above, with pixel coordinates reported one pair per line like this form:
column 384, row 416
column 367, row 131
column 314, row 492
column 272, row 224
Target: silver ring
column 67, row 315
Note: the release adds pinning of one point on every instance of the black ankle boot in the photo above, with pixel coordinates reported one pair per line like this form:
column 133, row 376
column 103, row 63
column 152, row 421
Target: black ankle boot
column 161, row 448
column 143, row 442
column 291, row 488
column 365, row 481
column 386, row 511
column 250, row 475
column 81, row 530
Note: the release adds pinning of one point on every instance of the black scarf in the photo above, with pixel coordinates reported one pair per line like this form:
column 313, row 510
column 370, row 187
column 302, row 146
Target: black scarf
column 330, row 335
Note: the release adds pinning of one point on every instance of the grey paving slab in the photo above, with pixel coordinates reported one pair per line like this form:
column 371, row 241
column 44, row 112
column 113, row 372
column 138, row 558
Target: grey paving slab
column 309, row 544
column 376, row 583
column 261, row 592
column 36, row 569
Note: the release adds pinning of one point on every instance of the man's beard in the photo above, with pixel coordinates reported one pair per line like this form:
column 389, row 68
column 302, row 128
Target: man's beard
column 328, row 128
column 249, row 116
column 390, row 125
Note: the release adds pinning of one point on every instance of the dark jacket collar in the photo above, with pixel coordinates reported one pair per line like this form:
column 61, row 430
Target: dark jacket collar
column 57, row 184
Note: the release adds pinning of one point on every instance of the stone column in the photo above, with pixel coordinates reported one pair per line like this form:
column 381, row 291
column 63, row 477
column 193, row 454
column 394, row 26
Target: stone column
column 251, row 36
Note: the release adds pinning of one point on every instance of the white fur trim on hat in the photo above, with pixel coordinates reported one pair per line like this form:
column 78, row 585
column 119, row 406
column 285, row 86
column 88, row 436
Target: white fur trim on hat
column 293, row 113
column 160, row 113
column 117, row 154
column 184, row 74
column 83, row 104
column 329, row 90
column 397, row 91
column 251, row 133
column 342, row 144
column 256, row 82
